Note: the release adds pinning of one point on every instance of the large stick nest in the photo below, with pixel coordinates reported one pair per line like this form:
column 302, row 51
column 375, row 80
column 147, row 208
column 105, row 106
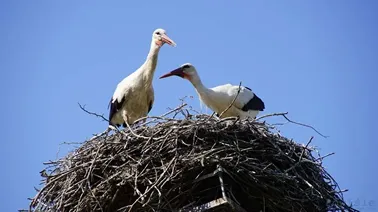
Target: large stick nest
column 157, row 167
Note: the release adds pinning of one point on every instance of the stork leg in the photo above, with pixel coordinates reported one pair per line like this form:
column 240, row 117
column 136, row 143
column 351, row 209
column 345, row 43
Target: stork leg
column 125, row 118
column 110, row 127
column 106, row 132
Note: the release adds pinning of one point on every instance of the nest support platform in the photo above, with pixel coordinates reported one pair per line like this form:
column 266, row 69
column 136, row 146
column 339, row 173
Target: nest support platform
column 216, row 192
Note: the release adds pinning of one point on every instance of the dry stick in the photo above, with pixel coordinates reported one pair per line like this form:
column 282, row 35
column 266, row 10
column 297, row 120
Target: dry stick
column 156, row 182
column 94, row 196
column 327, row 155
column 212, row 115
column 301, row 156
column 40, row 192
column 91, row 113
column 93, row 161
column 144, row 137
column 103, row 133
column 132, row 132
column 305, row 125
column 100, row 116
column 165, row 114
column 294, row 122
column 116, row 129
column 304, row 149
column 233, row 101
column 141, row 136
column 269, row 115
column 183, row 105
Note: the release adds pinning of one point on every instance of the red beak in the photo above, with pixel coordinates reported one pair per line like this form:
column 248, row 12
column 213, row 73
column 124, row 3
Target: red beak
column 167, row 40
column 177, row 72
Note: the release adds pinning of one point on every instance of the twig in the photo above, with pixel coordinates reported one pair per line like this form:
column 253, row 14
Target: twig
column 140, row 136
column 304, row 149
column 157, row 181
column 105, row 132
column 294, row 122
column 269, row 115
column 165, row 114
column 327, row 155
column 210, row 117
column 92, row 113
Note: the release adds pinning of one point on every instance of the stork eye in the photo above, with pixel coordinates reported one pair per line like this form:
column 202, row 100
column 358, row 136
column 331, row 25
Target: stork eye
column 158, row 33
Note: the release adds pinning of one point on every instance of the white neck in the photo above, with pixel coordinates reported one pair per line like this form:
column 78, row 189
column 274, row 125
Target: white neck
column 197, row 83
column 149, row 66
column 206, row 95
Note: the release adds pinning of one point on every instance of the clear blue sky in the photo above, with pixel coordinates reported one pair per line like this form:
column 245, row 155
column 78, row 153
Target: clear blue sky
column 317, row 60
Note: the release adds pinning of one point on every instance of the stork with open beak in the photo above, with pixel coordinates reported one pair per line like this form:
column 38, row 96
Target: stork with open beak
column 134, row 96
column 247, row 104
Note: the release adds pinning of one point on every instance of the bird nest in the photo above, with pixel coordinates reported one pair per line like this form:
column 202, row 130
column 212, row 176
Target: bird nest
column 195, row 163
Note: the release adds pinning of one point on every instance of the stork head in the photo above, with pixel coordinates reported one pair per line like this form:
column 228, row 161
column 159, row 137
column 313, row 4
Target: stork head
column 186, row 71
column 160, row 38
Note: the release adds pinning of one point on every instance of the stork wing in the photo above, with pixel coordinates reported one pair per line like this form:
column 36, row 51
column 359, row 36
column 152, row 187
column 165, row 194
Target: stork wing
column 117, row 99
column 114, row 107
column 246, row 100
column 151, row 99
column 254, row 104
column 250, row 101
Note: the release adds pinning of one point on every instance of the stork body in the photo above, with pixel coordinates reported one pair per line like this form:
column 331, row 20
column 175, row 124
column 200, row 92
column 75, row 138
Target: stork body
column 134, row 96
column 247, row 104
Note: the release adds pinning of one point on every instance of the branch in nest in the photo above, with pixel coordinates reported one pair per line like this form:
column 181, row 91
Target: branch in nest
column 233, row 101
column 179, row 108
column 294, row 122
column 92, row 113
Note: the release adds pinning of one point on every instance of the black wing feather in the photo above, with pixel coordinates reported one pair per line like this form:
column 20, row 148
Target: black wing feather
column 254, row 104
column 150, row 106
column 114, row 108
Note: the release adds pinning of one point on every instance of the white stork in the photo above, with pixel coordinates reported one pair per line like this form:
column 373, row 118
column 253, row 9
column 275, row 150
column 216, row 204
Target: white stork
column 247, row 104
column 134, row 96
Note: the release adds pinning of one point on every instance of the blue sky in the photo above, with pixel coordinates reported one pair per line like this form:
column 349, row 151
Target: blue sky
column 316, row 60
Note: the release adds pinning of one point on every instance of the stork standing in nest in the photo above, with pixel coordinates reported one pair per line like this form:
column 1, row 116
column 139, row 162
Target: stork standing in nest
column 134, row 96
column 246, row 105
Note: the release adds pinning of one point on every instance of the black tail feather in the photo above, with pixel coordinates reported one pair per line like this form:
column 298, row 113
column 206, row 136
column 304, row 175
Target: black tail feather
column 254, row 104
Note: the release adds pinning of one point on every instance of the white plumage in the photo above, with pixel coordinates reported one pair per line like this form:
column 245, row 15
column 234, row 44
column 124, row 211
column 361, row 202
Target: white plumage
column 218, row 99
column 134, row 96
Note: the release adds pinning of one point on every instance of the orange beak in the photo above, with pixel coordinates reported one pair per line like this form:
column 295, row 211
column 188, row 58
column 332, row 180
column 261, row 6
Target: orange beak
column 167, row 40
column 177, row 72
